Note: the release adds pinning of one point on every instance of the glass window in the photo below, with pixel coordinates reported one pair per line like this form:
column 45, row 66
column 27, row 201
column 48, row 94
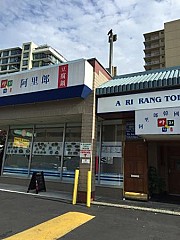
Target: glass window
column 35, row 64
column 15, row 52
column 71, row 152
column 3, row 68
column 4, row 60
column 25, row 62
column 18, row 151
column 5, row 53
column 14, row 67
column 26, row 55
column 111, row 162
column 47, row 151
column 39, row 55
column 26, row 47
column 46, row 63
column 14, row 59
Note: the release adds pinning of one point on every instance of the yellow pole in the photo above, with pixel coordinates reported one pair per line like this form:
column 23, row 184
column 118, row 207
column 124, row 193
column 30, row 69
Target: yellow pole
column 75, row 186
column 88, row 189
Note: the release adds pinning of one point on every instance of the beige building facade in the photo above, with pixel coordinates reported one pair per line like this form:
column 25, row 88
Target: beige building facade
column 47, row 127
column 162, row 48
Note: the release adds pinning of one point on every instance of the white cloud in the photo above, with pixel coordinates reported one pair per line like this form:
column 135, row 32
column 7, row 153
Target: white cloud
column 78, row 28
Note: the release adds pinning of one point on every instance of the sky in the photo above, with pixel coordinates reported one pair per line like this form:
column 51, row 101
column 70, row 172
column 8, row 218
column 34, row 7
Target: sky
column 78, row 28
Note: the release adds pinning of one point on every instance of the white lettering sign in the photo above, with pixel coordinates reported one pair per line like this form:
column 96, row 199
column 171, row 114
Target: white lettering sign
column 85, row 150
column 150, row 100
column 52, row 77
column 86, row 160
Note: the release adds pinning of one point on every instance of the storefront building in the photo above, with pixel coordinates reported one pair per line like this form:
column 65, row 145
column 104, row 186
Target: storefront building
column 139, row 133
column 130, row 125
column 48, row 114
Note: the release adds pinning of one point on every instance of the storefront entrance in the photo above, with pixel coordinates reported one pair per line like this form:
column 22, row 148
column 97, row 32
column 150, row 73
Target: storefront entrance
column 174, row 169
column 135, row 170
column 164, row 163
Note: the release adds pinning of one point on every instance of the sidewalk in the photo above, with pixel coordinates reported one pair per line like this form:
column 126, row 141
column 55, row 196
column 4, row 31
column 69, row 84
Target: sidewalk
column 157, row 207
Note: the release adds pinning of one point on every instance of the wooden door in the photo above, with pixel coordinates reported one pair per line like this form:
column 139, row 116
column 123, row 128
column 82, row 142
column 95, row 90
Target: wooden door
column 174, row 169
column 135, row 170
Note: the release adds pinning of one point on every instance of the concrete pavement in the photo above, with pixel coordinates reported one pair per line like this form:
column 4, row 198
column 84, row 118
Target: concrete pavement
column 157, row 207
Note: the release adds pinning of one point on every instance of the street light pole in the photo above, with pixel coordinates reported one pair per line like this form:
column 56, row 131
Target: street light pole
column 112, row 38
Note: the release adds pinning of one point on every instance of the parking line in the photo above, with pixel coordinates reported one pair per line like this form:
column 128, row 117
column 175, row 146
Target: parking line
column 54, row 228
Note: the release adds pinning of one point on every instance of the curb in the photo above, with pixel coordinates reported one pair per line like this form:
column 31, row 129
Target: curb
column 155, row 210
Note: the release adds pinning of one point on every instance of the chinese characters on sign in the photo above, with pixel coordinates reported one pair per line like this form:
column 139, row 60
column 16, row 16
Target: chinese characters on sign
column 30, row 83
column 45, row 79
column 56, row 78
column 35, row 80
column 63, row 76
column 158, row 121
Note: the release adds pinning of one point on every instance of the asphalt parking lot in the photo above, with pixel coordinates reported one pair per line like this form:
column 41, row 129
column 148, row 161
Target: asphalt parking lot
column 20, row 212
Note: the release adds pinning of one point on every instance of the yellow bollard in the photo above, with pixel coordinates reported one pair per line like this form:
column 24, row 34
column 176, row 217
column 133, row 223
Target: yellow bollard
column 88, row 189
column 75, row 186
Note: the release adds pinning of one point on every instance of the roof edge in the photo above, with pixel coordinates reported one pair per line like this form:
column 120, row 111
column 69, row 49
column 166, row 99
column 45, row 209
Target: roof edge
column 146, row 72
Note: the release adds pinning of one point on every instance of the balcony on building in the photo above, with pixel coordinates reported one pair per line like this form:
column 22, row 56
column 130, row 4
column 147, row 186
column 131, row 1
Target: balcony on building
column 14, row 68
column 15, row 52
column 151, row 39
column 153, row 64
column 6, row 53
column 152, row 46
column 152, row 54
column 4, row 69
column 43, row 59
column 151, row 36
column 47, row 50
column 13, row 60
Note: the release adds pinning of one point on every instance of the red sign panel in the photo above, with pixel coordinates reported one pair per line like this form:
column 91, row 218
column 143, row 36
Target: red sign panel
column 63, row 76
column 4, row 83
column 161, row 122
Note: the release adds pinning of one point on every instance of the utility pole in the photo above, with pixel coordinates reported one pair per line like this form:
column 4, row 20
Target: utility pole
column 112, row 38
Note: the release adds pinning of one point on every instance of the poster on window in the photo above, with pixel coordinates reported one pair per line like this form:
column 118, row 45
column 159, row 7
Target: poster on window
column 18, row 146
column 72, row 149
column 47, row 148
column 111, row 149
column 21, row 142
column 130, row 131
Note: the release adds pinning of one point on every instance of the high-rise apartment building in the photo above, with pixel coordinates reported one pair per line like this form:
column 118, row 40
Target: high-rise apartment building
column 29, row 56
column 162, row 47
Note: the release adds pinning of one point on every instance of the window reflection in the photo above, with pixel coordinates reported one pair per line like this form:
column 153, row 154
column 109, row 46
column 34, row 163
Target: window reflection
column 111, row 162
column 71, row 152
column 47, row 151
column 18, row 151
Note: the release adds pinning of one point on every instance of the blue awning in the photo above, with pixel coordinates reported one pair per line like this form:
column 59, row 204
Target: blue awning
column 80, row 91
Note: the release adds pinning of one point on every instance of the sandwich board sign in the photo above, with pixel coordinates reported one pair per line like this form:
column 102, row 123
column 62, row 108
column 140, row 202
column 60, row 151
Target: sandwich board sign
column 37, row 182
